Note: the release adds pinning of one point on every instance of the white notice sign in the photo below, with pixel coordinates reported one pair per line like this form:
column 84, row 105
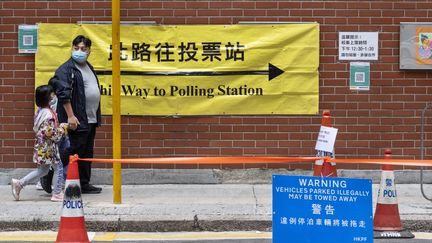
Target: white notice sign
column 358, row 45
column 326, row 139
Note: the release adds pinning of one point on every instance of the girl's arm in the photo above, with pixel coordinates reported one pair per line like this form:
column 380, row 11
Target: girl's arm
column 51, row 132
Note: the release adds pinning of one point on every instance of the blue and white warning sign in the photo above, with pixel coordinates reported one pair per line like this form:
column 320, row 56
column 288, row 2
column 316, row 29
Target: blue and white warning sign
column 322, row 209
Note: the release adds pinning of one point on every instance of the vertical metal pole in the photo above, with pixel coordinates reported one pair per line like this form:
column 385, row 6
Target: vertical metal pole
column 116, row 117
column 422, row 149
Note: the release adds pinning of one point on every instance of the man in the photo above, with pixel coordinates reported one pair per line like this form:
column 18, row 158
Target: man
column 77, row 88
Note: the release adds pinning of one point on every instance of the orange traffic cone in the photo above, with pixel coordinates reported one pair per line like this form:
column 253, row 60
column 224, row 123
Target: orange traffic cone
column 72, row 226
column 387, row 223
column 323, row 168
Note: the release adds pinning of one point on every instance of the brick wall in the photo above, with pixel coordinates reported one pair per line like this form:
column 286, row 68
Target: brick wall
column 387, row 116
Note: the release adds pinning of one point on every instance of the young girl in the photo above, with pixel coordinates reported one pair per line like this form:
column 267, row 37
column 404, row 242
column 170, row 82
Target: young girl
column 46, row 152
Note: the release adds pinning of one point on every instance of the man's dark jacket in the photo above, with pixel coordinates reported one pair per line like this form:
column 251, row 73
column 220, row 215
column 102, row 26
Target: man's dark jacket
column 69, row 86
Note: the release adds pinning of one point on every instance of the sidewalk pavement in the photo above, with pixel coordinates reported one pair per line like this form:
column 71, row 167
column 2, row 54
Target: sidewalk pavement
column 181, row 207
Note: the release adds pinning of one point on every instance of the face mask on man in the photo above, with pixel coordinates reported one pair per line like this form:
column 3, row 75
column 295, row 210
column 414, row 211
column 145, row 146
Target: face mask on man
column 79, row 56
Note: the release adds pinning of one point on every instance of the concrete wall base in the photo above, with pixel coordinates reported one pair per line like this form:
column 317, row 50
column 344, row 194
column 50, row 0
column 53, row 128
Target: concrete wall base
column 216, row 176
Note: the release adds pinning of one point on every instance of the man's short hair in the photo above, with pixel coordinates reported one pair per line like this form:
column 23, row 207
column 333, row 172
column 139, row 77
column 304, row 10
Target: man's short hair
column 87, row 42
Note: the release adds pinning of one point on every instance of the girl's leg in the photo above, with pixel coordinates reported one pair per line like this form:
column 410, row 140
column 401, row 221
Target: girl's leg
column 64, row 154
column 58, row 179
column 65, row 170
column 34, row 175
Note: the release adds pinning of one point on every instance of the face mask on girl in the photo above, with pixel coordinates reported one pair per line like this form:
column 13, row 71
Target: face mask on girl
column 79, row 56
column 53, row 103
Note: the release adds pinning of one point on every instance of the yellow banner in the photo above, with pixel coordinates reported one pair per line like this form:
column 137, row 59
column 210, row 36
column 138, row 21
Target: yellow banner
column 254, row 69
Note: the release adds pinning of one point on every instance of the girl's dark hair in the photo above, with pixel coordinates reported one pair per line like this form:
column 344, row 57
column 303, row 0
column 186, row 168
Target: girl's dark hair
column 43, row 95
column 87, row 42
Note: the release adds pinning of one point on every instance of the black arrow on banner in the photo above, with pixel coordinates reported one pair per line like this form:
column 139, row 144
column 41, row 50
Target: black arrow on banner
column 272, row 73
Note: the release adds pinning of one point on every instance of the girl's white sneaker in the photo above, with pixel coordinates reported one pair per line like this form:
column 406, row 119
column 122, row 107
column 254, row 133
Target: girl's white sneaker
column 39, row 186
column 58, row 197
column 16, row 188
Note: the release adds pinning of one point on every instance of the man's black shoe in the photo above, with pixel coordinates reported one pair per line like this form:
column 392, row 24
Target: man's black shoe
column 90, row 189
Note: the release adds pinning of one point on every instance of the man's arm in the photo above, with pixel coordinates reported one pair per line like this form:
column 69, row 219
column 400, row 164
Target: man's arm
column 72, row 120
